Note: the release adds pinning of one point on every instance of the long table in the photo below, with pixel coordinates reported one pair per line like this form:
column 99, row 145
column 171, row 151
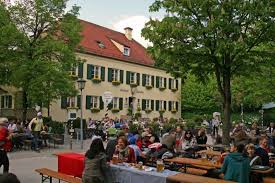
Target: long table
column 73, row 164
column 188, row 178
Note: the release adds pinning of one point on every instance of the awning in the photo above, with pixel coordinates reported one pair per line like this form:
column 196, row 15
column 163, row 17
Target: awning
column 268, row 105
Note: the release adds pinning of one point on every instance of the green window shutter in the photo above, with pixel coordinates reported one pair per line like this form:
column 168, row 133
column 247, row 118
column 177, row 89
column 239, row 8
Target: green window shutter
column 138, row 78
column 88, row 102
column 128, row 77
column 2, row 101
column 157, row 82
column 79, row 101
column 177, row 106
column 120, row 103
column 110, row 105
column 10, row 102
column 102, row 77
column 110, row 74
column 165, row 82
column 177, row 84
column 80, row 70
column 63, row 102
column 170, row 83
column 157, row 105
column 143, row 79
column 101, row 104
column 152, row 81
column 90, row 69
column 169, row 105
column 143, row 104
column 121, row 76
column 152, row 105
column 164, row 103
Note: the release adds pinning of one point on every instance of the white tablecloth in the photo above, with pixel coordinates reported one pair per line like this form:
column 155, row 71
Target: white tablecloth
column 124, row 174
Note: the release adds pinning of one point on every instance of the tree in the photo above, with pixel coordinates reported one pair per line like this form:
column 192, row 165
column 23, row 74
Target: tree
column 219, row 37
column 8, row 42
column 51, row 37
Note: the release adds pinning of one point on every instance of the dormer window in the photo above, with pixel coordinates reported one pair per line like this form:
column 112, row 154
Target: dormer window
column 126, row 51
column 100, row 44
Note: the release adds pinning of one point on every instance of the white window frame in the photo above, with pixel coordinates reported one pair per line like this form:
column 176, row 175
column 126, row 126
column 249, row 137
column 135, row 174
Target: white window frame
column 161, row 82
column 94, row 102
column 133, row 78
column 115, row 74
column 6, row 101
column 126, row 51
column 147, row 104
column 161, row 105
column 115, row 103
column 97, row 72
column 173, row 84
column 71, row 102
column 73, row 70
column 148, row 80
column 174, row 105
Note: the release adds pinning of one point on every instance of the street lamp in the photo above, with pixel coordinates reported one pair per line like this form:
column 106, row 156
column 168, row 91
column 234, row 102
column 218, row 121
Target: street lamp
column 81, row 86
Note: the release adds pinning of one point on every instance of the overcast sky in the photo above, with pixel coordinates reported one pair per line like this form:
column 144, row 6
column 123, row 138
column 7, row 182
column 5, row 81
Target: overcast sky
column 117, row 14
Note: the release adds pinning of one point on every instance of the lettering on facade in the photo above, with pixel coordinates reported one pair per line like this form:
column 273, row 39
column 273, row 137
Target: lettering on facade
column 123, row 90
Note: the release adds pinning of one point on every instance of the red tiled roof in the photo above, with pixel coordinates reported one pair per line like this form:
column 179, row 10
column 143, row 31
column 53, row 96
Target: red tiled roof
column 92, row 33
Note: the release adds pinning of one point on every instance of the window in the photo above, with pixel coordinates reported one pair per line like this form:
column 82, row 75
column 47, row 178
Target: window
column 71, row 102
column 96, row 72
column 73, row 70
column 161, row 105
column 174, row 105
column 147, row 104
column 115, row 75
column 94, row 102
column 126, row 51
column 133, row 78
column 6, row 101
column 161, row 82
column 115, row 103
column 173, row 84
column 148, row 80
column 100, row 44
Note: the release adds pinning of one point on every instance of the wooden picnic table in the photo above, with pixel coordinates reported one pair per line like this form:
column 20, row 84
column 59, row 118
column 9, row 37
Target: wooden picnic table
column 210, row 152
column 188, row 178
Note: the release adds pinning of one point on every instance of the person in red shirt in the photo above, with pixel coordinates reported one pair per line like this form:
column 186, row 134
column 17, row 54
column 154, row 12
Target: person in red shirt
column 5, row 144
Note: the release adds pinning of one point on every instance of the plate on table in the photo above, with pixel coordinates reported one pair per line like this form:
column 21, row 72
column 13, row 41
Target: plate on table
column 259, row 167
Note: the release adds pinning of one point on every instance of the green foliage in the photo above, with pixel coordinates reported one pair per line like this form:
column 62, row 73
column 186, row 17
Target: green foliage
column 47, row 49
column 269, row 116
column 225, row 39
column 137, row 115
column 57, row 127
column 133, row 127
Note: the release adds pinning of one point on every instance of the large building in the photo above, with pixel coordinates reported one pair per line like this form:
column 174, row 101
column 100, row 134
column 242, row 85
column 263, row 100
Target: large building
column 115, row 62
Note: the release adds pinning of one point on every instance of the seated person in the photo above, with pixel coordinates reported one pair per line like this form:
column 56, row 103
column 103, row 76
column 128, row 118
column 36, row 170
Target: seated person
column 138, row 153
column 9, row 178
column 236, row 165
column 124, row 152
column 188, row 141
column 263, row 150
column 169, row 140
column 201, row 138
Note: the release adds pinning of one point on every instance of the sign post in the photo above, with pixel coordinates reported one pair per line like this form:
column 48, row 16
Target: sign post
column 107, row 98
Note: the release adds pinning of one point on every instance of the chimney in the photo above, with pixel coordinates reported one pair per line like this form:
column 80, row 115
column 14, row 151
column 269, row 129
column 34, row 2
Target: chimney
column 128, row 32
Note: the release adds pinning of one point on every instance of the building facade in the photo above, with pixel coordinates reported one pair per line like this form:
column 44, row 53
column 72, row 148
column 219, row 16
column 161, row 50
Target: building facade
column 115, row 62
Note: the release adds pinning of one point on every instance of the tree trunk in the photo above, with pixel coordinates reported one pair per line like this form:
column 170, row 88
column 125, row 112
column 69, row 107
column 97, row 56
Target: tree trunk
column 48, row 109
column 226, row 102
column 25, row 105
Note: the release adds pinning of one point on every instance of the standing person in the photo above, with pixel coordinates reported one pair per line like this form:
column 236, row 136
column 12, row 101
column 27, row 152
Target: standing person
column 216, row 123
column 36, row 126
column 236, row 165
column 95, row 164
column 5, row 144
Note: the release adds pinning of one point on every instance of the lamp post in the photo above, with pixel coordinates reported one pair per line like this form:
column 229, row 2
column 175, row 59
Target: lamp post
column 81, row 86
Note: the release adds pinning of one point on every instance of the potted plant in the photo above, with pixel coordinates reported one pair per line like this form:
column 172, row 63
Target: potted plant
column 133, row 84
column 148, row 87
column 174, row 110
column 116, row 83
column 115, row 110
column 95, row 110
column 162, row 88
column 174, row 89
column 96, row 80
column 148, row 110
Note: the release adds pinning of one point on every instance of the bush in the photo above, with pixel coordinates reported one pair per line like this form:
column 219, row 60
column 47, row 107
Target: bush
column 190, row 124
column 173, row 120
column 57, row 127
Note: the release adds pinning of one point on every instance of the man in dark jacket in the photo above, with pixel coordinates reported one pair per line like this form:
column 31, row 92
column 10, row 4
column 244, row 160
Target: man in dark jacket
column 236, row 165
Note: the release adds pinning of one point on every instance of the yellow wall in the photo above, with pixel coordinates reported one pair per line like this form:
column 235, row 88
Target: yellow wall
column 122, row 90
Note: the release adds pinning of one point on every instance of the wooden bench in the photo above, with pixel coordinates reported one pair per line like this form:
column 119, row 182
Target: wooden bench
column 195, row 171
column 56, row 140
column 188, row 178
column 48, row 174
column 269, row 180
